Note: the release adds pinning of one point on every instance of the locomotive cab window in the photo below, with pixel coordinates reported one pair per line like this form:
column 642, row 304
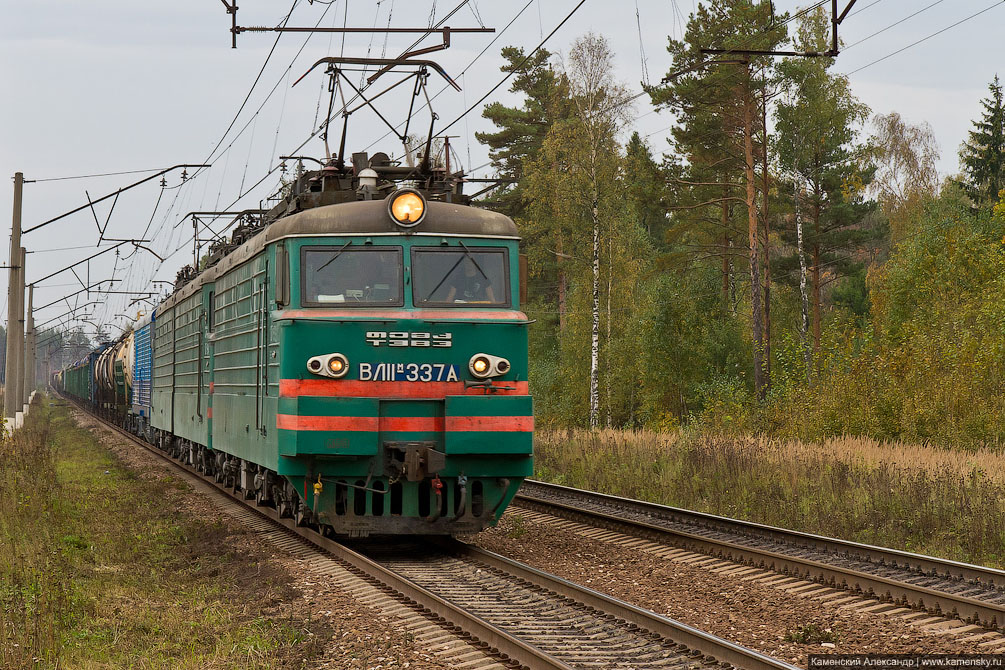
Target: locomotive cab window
column 348, row 276
column 460, row 277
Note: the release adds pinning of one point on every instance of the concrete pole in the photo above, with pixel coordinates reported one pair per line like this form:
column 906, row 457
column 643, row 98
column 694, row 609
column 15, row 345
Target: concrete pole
column 10, row 401
column 29, row 348
column 20, row 311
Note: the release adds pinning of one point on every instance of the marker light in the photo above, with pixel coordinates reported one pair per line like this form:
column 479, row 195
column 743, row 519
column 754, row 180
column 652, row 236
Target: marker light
column 338, row 365
column 314, row 365
column 407, row 208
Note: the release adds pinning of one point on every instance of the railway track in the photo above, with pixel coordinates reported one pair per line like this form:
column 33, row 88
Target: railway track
column 937, row 586
column 493, row 612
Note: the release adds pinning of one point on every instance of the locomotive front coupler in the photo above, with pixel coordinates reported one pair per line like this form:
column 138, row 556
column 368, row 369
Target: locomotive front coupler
column 414, row 459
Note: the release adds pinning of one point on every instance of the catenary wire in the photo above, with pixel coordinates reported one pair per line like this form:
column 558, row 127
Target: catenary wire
column 894, row 24
column 926, row 38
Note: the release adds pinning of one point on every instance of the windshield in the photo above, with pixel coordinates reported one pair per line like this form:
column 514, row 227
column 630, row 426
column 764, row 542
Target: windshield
column 351, row 276
column 459, row 277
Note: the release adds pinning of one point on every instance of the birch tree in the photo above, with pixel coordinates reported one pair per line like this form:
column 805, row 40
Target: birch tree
column 601, row 109
column 907, row 175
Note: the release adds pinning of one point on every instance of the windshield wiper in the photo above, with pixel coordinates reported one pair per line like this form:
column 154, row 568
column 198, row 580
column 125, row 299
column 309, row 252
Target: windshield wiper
column 337, row 254
column 449, row 272
column 470, row 256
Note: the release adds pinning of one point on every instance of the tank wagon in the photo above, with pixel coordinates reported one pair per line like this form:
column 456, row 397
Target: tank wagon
column 357, row 359
column 113, row 375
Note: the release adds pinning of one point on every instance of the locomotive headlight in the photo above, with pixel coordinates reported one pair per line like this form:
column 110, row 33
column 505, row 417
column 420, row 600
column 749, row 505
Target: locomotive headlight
column 483, row 366
column 338, row 365
column 315, row 365
column 406, row 207
column 480, row 366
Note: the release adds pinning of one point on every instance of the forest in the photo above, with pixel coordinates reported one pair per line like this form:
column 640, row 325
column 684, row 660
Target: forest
column 783, row 262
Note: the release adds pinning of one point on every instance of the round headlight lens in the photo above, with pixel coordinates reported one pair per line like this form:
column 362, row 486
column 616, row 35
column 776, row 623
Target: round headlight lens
column 407, row 208
column 314, row 365
column 480, row 366
column 338, row 365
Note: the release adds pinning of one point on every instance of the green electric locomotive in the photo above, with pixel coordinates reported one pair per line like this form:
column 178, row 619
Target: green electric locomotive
column 358, row 358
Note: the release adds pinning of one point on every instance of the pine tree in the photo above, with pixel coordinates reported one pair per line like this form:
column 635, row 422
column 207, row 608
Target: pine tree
column 718, row 105
column 983, row 155
column 513, row 148
column 816, row 130
column 522, row 129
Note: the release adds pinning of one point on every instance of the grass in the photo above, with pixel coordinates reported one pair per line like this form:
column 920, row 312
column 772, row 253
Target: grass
column 922, row 499
column 811, row 634
column 97, row 571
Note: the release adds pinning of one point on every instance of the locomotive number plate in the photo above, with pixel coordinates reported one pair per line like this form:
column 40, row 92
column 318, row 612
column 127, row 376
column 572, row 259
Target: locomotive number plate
column 407, row 372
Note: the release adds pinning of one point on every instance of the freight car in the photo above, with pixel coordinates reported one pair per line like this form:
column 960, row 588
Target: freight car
column 113, row 375
column 356, row 359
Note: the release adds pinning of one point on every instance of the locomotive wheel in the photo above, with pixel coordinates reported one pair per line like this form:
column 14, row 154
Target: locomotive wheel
column 304, row 516
column 261, row 496
column 262, row 489
column 286, row 502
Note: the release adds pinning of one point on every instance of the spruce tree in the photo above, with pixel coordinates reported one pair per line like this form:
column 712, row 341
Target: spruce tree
column 645, row 190
column 982, row 156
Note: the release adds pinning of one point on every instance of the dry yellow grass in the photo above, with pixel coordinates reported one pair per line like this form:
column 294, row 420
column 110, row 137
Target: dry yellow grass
column 906, row 496
column 848, row 449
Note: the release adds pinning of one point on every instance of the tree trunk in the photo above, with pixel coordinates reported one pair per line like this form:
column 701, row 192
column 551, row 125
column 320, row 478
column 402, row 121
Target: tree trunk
column 607, row 347
column 732, row 281
column 816, row 298
column 804, row 325
column 767, row 237
column 755, row 269
column 725, row 250
column 561, row 285
column 595, row 339
column 817, row 196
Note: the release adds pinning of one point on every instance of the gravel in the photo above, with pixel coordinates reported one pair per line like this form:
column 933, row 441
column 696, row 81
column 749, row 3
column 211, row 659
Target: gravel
column 757, row 616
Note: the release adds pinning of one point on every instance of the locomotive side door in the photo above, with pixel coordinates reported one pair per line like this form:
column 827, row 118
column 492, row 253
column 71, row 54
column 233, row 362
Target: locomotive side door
column 260, row 306
column 205, row 407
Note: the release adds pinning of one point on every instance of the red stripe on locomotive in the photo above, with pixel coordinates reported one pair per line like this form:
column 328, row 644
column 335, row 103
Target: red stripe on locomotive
column 406, row 423
column 490, row 423
column 351, row 388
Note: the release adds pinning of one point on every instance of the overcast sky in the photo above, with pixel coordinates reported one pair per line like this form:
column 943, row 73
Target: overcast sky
column 115, row 85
